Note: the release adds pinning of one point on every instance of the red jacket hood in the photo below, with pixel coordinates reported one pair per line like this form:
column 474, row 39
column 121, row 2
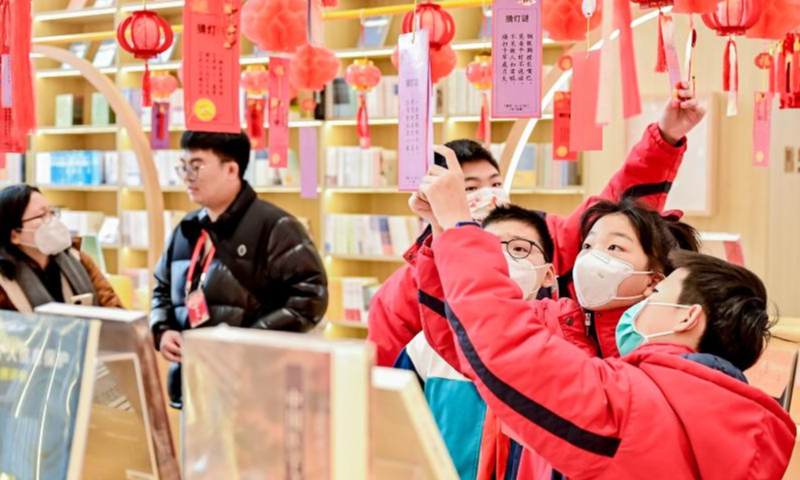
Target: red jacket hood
column 710, row 396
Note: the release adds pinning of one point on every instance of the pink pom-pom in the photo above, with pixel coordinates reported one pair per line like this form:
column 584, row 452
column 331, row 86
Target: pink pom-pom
column 312, row 67
column 275, row 25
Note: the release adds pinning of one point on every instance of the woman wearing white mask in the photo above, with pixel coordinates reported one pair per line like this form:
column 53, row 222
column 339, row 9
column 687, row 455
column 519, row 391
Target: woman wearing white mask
column 624, row 255
column 37, row 262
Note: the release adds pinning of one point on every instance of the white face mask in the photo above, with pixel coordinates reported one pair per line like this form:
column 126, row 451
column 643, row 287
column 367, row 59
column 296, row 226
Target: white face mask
column 597, row 278
column 482, row 201
column 525, row 275
column 51, row 237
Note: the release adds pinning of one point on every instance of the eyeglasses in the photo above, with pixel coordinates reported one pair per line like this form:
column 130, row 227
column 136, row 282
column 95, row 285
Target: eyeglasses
column 53, row 213
column 191, row 172
column 520, row 248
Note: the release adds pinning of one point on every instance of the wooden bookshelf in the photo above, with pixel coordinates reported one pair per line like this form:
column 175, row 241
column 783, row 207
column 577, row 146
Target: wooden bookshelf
column 54, row 24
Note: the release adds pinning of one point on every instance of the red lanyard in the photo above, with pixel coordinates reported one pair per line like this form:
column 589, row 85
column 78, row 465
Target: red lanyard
column 195, row 257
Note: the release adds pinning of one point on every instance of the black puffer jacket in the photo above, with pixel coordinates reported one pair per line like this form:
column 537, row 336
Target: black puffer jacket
column 266, row 274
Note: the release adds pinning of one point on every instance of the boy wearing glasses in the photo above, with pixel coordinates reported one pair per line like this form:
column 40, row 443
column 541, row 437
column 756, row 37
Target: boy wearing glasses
column 471, row 432
column 238, row 260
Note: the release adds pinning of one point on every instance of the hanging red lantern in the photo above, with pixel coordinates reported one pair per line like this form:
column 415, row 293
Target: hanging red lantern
column 312, row 67
column 653, row 3
column 564, row 21
column 443, row 61
column 432, row 17
column 275, row 25
column 255, row 81
column 479, row 74
column 363, row 76
column 787, row 71
column 732, row 17
column 162, row 86
column 150, row 36
column 778, row 17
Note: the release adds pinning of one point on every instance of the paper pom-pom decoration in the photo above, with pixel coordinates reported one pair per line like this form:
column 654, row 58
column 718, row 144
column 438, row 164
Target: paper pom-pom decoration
column 443, row 61
column 312, row 67
column 778, row 17
column 564, row 20
column 275, row 25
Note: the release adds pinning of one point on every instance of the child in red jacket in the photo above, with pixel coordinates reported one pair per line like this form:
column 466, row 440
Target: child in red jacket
column 675, row 406
column 647, row 174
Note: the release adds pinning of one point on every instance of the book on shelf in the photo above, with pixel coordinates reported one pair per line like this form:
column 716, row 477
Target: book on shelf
column 537, row 169
column 357, row 293
column 83, row 223
column 134, row 227
column 109, row 231
column 14, row 170
column 376, row 30
column 370, row 235
column 69, row 110
column 140, row 281
column 102, row 113
column 71, row 167
column 79, row 49
column 165, row 162
column 103, row 3
column 259, row 174
column 357, row 167
column 106, row 53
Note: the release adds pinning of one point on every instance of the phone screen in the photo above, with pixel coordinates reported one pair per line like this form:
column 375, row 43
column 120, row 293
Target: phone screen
column 439, row 159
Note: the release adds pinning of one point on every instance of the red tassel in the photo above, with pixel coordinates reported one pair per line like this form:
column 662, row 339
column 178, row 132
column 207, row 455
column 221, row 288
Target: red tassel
column 661, row 61
column 796, row 66
column 726, row 67
column 147, row 101
column 19, row 120
column 362, row 127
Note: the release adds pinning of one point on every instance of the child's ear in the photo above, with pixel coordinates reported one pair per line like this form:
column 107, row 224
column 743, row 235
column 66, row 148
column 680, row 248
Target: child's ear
column 655, row 279
column 549, row 276
column 696, row 316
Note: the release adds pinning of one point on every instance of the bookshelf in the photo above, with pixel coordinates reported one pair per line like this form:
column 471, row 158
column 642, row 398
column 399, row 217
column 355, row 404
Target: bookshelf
column 55, row 24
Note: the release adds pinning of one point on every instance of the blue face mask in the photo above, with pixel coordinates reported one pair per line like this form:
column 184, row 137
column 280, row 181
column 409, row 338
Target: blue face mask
column 628, row 337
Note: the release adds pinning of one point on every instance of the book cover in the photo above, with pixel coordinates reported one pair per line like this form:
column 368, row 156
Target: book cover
column 69, row 110
column 303, row 399
column 46, row 374
column 102, row 113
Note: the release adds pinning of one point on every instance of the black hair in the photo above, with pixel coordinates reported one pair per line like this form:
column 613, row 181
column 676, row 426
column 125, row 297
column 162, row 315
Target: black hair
column 657, row 235
column 229, row 147
column 735, row 303
column 531, row 218
column 470, row 151
column 14, row 199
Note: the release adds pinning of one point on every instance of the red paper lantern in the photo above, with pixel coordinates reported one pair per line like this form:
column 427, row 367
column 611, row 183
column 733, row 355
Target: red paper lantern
column 695, row 6
column 255, row 80
column 275, row 25
column 733, row 17
column 362, row 75
column 150, row 35
column 443, row 61
column 778, row 17
column 433, row 18
column 312, row 67
column 652, row 3
column 563, row 20
column 479, row 74
column 162, row 85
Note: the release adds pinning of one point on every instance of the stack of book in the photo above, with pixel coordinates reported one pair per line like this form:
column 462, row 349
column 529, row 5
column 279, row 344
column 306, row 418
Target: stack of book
column 537, row 169
column 260, row 175
column 462, row 97
column 370, row 235
column 73, row 167
column 135, row 231
column 357, row 294
column 356, row 167
column 165, row 162
column 383, row 101
column 83, row 223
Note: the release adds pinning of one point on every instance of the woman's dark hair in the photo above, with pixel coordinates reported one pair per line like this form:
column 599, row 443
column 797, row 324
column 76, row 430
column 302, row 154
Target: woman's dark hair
column 658, row 235
column 13, row 202
column 470, row 151
column 735, row 303
column 531, row 218
column 229, row 147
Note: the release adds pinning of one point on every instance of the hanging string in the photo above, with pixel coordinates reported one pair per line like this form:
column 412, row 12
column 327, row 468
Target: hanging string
column 362, row 40
column 414, row 30
column 309, row 37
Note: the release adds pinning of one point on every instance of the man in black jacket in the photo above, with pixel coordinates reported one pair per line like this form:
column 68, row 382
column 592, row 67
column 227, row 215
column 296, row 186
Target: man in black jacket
column 238, row 261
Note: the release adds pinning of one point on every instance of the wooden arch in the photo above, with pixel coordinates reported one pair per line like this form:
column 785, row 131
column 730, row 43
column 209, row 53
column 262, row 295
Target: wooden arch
column 154, row 201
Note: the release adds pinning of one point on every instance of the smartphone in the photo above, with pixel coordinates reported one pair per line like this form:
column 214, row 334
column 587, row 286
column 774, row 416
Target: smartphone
column 439, row 159
column 86, row 299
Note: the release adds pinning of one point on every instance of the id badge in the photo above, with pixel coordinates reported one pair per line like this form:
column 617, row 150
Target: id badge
column 198, row 309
